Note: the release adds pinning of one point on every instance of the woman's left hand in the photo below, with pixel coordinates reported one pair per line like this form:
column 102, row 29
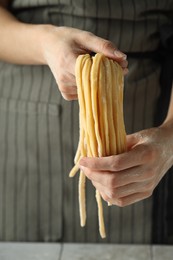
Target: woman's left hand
column 132, row 176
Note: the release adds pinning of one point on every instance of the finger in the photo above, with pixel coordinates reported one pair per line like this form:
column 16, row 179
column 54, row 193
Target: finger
column 128, row 200
column 72, row 65
column 140, row 154
column 132, row 140
column 106, row 198
column 65, row 77
column 107, row 193
column 118, row 179
column 68, row 90
column 67, row 84
column 125, row 71
column 123, row 192
column 130, row 189
column 96, row 44
column 69, row 97
column 124, row 64
column 69, row 65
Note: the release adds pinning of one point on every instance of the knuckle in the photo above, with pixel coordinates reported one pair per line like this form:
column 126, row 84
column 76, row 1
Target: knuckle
column 106, row 45
column 150, row 173
column 66, row 90
column 105, row 197
column 86, row 35
column 112, row 181
column 112, row 194
column 116, row 163
column 121, row 203
column 70, row 98
column 149, row 186
column 94, row 164
column 88, row 172
column 148, row 193
column 62, row 77
column 66, row 97
column 124, row 63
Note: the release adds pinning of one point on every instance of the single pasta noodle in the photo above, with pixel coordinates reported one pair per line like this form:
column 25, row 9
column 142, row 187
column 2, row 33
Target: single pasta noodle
column 100, row 85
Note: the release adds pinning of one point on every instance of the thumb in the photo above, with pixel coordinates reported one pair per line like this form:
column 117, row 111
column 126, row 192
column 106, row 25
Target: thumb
column 132, row 140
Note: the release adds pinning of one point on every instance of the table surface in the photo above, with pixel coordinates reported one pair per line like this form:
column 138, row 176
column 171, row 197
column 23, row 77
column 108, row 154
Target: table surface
column 68, row 251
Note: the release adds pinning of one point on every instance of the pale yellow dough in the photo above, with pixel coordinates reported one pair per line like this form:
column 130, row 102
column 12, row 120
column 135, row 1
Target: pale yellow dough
column 102, row 131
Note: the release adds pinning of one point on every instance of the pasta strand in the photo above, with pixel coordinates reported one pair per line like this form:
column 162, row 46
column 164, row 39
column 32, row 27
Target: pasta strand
column 102, row 131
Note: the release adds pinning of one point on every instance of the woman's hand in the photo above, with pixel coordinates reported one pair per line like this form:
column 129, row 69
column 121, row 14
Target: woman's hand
column 57, row 47
column 132, row 176
column 62, row 46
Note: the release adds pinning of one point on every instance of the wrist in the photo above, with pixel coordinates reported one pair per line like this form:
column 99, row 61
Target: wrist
column 22, row 43
column 42, row 35
column 52, row 41
column 166, row 128
column 33, row 42
column 167, row 134
column 167, row 124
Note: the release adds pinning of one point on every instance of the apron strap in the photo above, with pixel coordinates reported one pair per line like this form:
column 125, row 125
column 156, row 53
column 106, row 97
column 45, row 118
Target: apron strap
column 163, row 55
column 166, row 76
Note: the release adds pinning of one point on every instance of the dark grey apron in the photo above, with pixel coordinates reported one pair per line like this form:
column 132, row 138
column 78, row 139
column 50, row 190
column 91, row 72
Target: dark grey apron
column 39, row 130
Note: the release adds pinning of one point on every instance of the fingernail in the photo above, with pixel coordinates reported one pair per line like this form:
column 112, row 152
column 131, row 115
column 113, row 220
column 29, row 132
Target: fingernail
column 119, row 54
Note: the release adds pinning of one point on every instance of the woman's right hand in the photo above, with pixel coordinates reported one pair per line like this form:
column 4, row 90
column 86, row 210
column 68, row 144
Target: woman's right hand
column 57, row 47
column 62, row 45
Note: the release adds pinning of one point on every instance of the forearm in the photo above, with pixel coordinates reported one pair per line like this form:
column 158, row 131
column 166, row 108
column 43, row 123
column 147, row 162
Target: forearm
column 169, row 118
column 167, row 125
column 170, row 110
column 20, row 43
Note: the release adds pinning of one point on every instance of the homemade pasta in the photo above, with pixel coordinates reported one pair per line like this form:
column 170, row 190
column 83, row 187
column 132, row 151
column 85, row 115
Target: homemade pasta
column 102, row 131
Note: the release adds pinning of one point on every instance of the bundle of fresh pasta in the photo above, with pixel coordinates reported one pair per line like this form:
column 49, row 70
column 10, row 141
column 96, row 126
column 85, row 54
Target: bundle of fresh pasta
column 102, row 133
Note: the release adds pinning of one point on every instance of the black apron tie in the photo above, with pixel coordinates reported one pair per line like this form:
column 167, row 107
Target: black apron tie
column 166, row 76
column 163, row 55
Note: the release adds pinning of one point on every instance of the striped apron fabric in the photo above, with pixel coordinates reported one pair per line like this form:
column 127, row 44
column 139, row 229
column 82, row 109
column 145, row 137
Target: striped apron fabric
column 39, row 130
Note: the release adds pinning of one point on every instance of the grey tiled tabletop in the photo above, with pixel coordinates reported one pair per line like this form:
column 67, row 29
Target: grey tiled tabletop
column 52, row 251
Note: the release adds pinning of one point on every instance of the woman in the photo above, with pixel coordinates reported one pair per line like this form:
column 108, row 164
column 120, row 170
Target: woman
column 40, row 129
